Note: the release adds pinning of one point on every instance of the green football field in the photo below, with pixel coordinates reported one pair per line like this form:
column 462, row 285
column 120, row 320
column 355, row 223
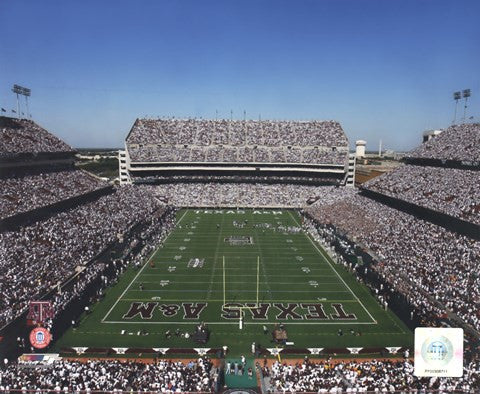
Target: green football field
column 220, row 265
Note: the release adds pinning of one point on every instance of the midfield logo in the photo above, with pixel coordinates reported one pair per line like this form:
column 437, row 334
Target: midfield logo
column 231, row 311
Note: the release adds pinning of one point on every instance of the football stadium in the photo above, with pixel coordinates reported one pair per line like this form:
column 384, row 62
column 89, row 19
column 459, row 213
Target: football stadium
column 263, row 257
column 239, row 255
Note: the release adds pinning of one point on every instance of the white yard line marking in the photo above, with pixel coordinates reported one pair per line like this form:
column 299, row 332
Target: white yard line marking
column 236, row 323
column 239, row 300
column 328, row 261
column 139, row 272
column 197, row 275
column 215, row 258
column 235, row 282
column 237, row 291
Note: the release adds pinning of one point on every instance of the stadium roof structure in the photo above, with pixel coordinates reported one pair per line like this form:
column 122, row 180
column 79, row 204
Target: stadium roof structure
column 25, row 137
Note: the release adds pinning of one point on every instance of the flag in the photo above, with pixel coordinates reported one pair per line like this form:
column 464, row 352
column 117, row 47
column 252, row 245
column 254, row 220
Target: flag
column 4, row 110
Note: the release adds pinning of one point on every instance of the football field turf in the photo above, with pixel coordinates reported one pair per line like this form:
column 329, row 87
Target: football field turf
column 218, row 265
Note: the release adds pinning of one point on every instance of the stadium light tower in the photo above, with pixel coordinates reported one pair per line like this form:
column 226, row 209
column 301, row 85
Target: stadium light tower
column 17, row 89
column 456, row 96
column 466, row 94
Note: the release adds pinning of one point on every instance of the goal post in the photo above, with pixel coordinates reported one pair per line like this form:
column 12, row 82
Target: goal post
column 241, row 308
column 258, row 278
column 224, row 281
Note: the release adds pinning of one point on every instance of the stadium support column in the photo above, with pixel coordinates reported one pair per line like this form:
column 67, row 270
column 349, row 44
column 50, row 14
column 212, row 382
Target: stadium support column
column 456, row 96
column 351, row 170
column 466, row 95
column 18, row 108
column 17, row 92
column 123, row 168
column 28, row 110
column 17, row 89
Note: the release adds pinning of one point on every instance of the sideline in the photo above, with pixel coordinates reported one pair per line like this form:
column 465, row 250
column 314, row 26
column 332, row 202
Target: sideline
column 139, row 272
column 334, row 270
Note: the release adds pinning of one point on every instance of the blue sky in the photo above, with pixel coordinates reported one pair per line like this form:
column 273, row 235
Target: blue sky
column 385, row 69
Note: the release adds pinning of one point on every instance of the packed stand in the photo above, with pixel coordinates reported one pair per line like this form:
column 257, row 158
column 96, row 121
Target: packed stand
column 323, row 179
column 196, row 140
column 178, row 377
column 24, row 193
column 363, row 376
column 108, row 375
column 19, row 136
column 150, row 238
column 412, row 253
column 457, row 143
column 454, row 192
column 35, row 258
column 214, row 194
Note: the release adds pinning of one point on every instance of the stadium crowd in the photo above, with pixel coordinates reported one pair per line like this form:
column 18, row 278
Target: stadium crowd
column 455, row 192
column 413, row 254
column 154, row 153
column 24, row 193
column 172, row 140
column 200, row 375
column 235, row 132
column 19, row 136
column 215, row 194
column 155, row 233
column 363, row 376
column 457, row 143
column 287, row 179
column 72, row 376
column 35, row 258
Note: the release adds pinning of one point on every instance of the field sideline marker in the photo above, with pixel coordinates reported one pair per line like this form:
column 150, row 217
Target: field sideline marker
column 318, row 323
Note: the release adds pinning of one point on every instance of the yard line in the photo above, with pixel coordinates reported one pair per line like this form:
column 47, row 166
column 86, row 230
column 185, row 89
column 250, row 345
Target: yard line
column 289, row 322
column 296, row 269
column 239, row 291
column 217, row 248
column 139, row 272
column 328, row 261
column 306, row 276
column 235, row 282
column 239, row 300
column 267, row 285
